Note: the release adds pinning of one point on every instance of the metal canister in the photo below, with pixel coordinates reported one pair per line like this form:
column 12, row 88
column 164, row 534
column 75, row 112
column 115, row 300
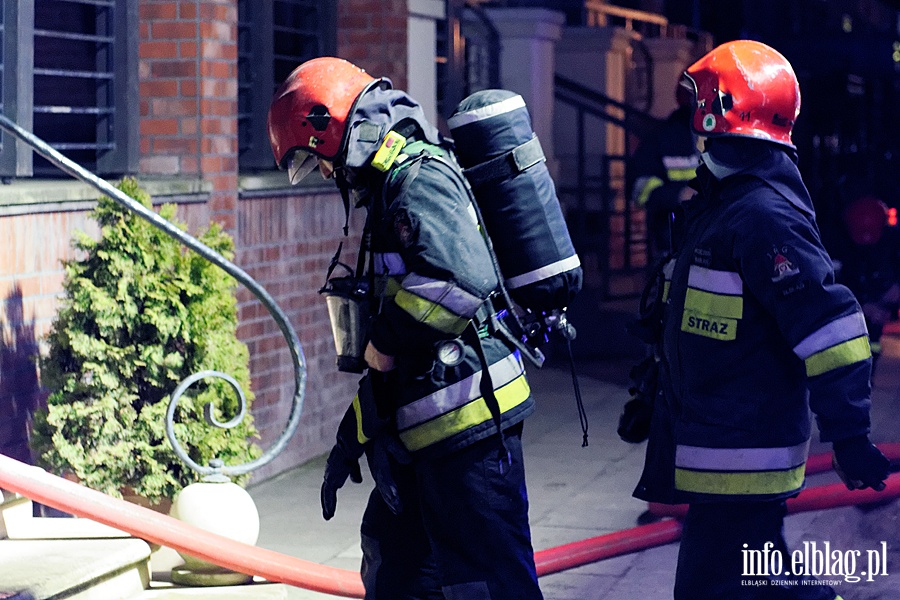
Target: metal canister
column 349, row 311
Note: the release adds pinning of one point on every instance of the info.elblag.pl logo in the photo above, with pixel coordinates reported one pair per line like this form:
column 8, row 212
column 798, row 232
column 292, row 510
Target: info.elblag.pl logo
column 834, row 565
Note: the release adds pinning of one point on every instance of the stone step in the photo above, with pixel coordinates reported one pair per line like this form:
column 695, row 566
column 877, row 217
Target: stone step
column 164, row 559
column 45, row 558
column 17, row 523
column 75, row 569
column 14, row 510
column 257, row 590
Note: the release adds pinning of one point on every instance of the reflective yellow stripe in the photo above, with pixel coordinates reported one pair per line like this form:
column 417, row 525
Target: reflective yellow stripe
column 840, row 330
column 666, row 285
column 737, row 484
column 474, row 413
column 360, row 436
column 841, row 355
column 714, row 304
column 681, row 174
column 432, row 314
column 647, row 189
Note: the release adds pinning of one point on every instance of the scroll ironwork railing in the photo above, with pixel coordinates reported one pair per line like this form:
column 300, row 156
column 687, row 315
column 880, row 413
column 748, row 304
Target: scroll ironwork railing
column 299, row 363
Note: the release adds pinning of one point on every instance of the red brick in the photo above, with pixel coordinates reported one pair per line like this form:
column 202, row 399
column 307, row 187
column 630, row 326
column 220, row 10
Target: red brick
column 159, row 126
column 149, row 11
column 174, row 145
column 173, row 30
column 173, row 68
column 187, row 49
column 159, row 88
column 168, row 107
column 188, row 87
column 155, row 49
column 187, row 10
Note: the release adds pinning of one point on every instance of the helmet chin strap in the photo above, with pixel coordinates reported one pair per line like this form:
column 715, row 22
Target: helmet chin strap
column 344, row 186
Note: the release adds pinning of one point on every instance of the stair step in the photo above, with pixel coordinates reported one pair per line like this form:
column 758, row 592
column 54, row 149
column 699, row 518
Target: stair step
column 84, row 569
column 17, row 523
column 257, row 590
column 14, row 510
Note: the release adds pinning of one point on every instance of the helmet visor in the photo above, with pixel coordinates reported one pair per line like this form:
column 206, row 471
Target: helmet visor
column 301, row 164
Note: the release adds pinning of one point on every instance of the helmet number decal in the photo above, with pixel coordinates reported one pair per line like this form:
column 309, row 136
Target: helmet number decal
column 314, row 141
column 709, row 122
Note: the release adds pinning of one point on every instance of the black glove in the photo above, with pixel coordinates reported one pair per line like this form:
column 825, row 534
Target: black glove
column 360, row 424
column 860, row 464
column 337, row 469
column 634, row 422
column 381, row 453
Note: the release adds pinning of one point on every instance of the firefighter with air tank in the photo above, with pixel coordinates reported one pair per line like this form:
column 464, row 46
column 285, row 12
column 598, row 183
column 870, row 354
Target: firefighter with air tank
column 439, row 413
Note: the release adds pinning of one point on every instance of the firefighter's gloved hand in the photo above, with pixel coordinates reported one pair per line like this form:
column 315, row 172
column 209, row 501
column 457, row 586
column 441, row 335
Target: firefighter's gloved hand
column 860, row 464
column 338, row 468
column 634, row 422
column 381, row 453
column 361, row 422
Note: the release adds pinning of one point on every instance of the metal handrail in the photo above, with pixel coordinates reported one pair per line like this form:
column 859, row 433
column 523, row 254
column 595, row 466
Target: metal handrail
column 598, row 11
column 589, row 102
column 78, row 172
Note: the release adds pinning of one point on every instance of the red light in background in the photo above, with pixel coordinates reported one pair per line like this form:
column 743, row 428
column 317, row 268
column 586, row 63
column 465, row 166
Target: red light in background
column 892, row 217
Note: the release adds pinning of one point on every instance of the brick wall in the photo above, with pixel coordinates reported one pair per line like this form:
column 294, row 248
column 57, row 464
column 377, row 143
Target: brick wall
column 287, row 243
column 372, row 35
column 188, row 85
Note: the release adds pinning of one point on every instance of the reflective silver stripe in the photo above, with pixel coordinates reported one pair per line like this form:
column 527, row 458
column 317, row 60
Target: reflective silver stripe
column 389, row 263
column 470, row 210
column 681, row 162
column 560, row 266
column 741, row 459
column 486, row 112
column 455, row 395
column 442, row 293
column 720, row 282
column 669, row 269
column 839, row 330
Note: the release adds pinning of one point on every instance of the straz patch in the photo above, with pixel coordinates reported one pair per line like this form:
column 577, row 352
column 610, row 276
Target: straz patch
column 717, row 328
column 782, row 266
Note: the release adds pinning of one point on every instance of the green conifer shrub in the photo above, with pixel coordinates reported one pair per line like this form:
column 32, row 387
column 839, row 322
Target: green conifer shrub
column 139, row 314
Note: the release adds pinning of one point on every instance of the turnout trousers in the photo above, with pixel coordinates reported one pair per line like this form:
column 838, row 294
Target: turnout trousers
column 467, row 537
column 713, row 563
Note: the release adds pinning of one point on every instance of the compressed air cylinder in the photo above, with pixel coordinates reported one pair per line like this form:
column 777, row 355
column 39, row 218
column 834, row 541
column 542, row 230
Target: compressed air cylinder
column 504, row 163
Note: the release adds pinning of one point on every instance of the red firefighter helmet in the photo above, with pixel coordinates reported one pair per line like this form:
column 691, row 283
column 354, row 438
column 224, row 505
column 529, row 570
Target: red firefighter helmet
column 865, row 219
column 745, row 88
column 308, row 115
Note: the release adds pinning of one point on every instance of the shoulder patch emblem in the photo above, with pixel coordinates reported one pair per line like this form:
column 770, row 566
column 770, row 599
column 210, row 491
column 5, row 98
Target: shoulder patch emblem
column 782, row 266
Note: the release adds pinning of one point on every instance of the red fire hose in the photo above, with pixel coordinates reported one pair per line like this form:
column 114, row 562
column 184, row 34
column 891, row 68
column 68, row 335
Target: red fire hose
column 154, row 527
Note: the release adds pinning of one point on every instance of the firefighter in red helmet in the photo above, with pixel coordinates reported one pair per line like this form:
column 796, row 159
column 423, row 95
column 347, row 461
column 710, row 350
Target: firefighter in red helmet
column 439, row 411
column 754, row 334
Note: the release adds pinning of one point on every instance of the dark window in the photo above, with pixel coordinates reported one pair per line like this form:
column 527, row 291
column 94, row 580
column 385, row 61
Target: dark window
column 273, row 38
column 468, row 55
column 70, row 75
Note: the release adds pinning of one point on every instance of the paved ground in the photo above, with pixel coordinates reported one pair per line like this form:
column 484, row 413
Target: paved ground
column 577, row 493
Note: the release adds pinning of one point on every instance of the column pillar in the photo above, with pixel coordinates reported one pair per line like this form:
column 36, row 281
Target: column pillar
column 528, row 39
